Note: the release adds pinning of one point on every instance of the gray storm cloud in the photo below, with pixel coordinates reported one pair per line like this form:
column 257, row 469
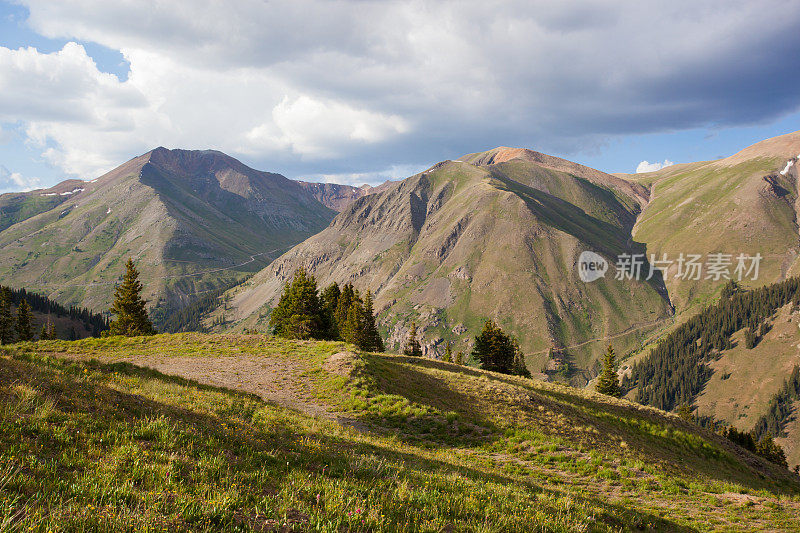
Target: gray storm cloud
column 317, row 87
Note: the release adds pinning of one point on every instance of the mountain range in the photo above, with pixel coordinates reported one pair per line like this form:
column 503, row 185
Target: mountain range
column 193, row 221
column 489, row 235
column 497, row 234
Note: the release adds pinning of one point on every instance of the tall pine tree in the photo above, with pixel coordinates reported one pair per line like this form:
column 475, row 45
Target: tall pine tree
column 608, row 382
column 7, row 333
column 352, row 329
column 24, row 321
column 329, row 299
column 129, row 307
column 412, row 346
column 518, row 366
column 299, row 314
column 372, row 338
column 343, row 304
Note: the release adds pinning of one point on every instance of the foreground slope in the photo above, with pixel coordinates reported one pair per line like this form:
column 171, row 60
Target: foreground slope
column 493, row 235
column 90, row 441
column 192, row 221
column 743, row 204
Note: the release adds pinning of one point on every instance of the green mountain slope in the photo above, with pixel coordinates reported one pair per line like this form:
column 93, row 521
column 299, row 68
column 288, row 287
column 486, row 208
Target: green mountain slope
column 89, row 441
column 16, row 207
column 707, row 363
column 738, row 205
column 192, row 221
column 497, row 237
column 744, row 381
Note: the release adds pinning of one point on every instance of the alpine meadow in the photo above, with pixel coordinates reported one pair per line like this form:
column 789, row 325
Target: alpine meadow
column 368, row 266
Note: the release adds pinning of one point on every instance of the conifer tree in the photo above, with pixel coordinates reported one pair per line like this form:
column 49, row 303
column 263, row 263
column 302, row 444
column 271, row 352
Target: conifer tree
column 330, row 301
column 48, row 330
column 519, row 368
column 767, row 449
column 448, row 352
column 494, row 350
column 343, row 304
column 730, row 289
column 608, row 383
column 412, row 347
column 24, row 321
column 460, row 358
column 353, row 328
column 6, row 318
column 685, row 412
column 299, row 314
column 750, row 338
column 132, row 319
column 372, row 337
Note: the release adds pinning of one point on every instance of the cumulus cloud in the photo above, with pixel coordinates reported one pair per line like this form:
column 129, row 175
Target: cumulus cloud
column 14, row 181
column 645, row 166
column 315, row 129
column 64, row 86
column 311, row 86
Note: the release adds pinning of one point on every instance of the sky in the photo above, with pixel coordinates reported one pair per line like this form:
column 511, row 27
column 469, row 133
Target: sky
column 363, row 91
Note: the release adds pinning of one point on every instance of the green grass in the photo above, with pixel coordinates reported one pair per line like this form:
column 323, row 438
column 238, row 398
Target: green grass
column 99, row 444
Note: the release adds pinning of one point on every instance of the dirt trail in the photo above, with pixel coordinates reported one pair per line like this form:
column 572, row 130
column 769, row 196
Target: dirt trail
column 276, row 380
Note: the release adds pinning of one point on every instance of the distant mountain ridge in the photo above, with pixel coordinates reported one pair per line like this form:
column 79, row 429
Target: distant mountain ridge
column 433, row 250
column 192, row 220
column 335, row 196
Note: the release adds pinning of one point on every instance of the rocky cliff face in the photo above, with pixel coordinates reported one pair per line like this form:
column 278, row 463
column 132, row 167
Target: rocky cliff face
column 335, row 196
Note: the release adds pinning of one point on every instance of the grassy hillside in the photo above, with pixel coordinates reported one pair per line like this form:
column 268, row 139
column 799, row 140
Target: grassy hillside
column 16, row 207
column 740, row 204
column 708, row 362
column 462, row 242
column 744, row 381
column 90, row 441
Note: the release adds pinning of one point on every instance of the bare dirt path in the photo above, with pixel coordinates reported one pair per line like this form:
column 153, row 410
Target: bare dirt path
column 277, row 380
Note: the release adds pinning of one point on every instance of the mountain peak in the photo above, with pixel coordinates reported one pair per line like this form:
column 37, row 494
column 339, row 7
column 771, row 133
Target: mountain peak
column 196, row 160
column 501, row 154
column 785, row 146
column 506, row 154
